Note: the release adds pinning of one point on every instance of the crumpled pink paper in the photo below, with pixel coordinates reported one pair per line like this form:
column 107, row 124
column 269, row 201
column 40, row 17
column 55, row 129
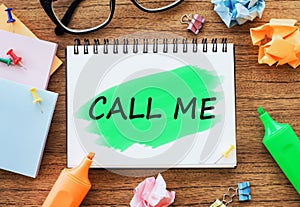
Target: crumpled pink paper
column 152, row 193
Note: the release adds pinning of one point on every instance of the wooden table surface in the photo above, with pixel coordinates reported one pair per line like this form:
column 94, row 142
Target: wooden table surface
column 277, row 89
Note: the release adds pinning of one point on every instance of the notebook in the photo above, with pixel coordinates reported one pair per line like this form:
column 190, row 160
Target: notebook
column 20, row 28
column 151, row 105
column 23, row 127
column 37, row 58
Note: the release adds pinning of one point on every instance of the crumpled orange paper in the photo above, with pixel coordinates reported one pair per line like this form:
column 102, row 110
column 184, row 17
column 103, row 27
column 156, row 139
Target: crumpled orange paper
column 152, row 193
column 278, row 41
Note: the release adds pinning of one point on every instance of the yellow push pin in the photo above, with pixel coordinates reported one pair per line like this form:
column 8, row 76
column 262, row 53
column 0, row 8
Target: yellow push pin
column 36, row 99
column 226, row 153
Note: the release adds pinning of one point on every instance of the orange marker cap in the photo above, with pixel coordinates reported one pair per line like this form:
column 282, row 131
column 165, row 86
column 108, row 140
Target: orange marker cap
column 82, row 170
column 71, row 186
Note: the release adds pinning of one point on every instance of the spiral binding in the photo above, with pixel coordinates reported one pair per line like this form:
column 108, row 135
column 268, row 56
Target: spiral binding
column 86, row 46
column 146, row 43
column 125, row 46
column 96, row 45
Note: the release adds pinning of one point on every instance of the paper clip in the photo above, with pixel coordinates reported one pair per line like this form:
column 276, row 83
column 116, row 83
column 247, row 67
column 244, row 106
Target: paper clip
column 226, row 153
column 36, row 99
column 10, row 19
column 194, row 23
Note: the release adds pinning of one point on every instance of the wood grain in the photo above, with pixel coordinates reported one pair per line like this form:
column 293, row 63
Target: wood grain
column 277, row 89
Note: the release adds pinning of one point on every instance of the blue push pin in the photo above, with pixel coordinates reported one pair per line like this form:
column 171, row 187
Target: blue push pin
column 10, row 18
column 244, row 191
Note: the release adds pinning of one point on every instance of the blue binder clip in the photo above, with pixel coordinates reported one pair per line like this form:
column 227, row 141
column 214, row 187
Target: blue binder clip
column 244, row 191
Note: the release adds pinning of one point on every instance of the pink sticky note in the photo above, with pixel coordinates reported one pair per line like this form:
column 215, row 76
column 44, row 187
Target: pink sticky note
column 21, row 29
column 37, row 56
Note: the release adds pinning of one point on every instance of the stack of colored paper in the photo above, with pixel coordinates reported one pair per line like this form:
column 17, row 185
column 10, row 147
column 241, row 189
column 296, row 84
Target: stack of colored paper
column 26, row 107
column 20, row 28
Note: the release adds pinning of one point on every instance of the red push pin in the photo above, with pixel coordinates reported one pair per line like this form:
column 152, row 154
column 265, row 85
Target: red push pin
column 15, row 58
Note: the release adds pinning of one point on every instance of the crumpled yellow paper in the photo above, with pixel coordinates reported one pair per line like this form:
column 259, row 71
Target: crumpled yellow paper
column 278, row 41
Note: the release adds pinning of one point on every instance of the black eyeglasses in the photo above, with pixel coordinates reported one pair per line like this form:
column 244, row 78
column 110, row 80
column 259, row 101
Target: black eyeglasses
column 82, row 16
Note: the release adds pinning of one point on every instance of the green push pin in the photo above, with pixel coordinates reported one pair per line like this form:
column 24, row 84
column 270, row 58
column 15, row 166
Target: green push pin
column 7, row 61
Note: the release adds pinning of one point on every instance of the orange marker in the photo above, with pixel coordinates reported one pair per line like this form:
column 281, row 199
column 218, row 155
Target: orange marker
column 71, row 186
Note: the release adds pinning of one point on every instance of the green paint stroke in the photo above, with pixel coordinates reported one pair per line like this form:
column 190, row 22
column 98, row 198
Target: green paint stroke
column 164, row 88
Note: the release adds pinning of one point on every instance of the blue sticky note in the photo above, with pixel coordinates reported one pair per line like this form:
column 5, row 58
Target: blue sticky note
column 23, row 127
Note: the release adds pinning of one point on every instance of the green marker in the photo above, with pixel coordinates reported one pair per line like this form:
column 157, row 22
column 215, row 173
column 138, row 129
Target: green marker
column 284, row 146
column 6, row 61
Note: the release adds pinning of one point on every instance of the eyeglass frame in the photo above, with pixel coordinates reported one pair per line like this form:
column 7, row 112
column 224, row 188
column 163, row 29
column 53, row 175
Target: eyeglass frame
column 61, row 24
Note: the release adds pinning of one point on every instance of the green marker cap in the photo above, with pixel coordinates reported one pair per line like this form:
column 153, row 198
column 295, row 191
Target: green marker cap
column 271, row 127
